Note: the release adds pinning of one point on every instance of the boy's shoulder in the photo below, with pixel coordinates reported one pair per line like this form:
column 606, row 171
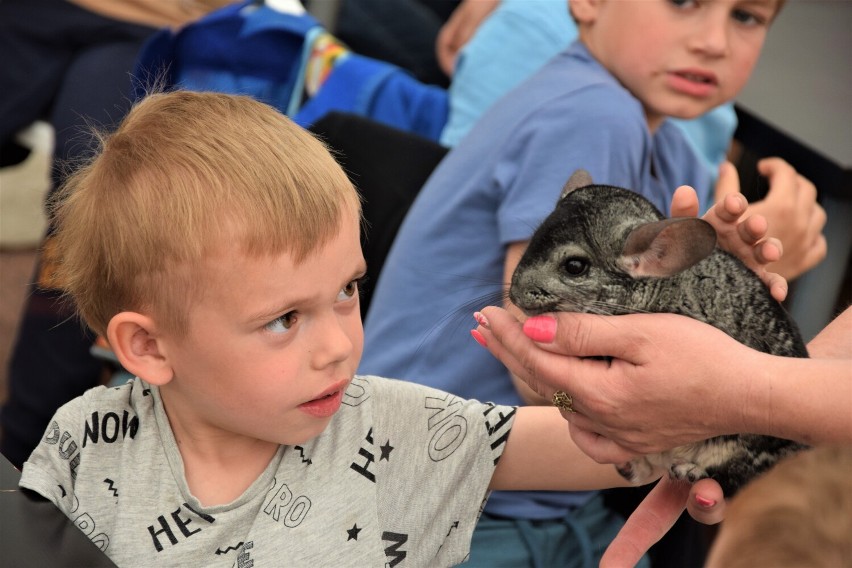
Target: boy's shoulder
column 108, row 403
column 572, row 93
column 575, row 76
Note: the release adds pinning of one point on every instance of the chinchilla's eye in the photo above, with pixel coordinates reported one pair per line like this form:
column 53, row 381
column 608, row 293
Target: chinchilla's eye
column 576, row 266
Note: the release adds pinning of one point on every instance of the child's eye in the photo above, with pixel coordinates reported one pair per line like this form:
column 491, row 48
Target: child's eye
column 748, row 18
column 349, row 290
column 282, row 323
column 683, row 3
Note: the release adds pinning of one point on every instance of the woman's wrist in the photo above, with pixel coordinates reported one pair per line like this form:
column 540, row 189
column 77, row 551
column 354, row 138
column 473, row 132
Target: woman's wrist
column 806, row 400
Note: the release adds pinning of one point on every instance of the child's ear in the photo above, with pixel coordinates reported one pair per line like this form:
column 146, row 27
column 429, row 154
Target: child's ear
column 584, row 11
column 133, row 338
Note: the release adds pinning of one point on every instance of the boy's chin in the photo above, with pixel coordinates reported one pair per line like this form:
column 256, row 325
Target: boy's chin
column 306, row 435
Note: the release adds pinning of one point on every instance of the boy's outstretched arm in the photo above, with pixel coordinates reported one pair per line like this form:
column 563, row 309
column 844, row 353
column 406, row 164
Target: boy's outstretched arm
column 540, row 455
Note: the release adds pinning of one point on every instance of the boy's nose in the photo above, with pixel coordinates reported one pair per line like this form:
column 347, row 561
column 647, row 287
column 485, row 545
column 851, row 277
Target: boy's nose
column 332, row 344
column 711, row 37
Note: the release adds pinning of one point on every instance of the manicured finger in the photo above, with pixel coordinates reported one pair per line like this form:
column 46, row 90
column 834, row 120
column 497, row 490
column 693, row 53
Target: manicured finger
column 585, row 335
column 706, row 503
column 506, row 340
column 652, row 519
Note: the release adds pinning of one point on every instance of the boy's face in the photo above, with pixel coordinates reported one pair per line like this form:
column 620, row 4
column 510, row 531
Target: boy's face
column 680, row 58
column 271, row 345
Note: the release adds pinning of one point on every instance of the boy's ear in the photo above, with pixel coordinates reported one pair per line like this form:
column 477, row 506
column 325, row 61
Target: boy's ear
column 133, row 338
column 584, row 11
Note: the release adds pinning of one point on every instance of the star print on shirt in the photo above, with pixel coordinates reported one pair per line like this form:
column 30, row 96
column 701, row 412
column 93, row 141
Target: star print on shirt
column 386, row 450
column 353, row 532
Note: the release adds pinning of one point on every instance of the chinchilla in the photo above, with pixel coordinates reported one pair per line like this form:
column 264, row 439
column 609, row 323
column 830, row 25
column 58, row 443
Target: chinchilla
column 608, row 250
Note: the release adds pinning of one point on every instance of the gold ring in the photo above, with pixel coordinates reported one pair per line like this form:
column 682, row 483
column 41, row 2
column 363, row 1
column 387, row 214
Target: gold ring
column 563, row 401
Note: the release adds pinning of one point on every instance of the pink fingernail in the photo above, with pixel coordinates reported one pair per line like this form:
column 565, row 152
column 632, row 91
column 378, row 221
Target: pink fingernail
column 541, row 328
column 481, row 320
column 704, row 502
column 478, row 337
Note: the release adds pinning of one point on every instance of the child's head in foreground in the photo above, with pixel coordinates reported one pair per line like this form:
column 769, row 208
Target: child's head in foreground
column 216, row 245
column 797, row 514
column 680, row 58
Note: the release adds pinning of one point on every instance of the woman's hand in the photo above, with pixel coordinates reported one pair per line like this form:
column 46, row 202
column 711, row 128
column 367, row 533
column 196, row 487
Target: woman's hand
column 656, row 514
column 624, row 403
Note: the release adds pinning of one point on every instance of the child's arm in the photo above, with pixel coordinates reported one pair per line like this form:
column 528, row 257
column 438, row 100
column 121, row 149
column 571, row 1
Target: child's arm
column 540, row 455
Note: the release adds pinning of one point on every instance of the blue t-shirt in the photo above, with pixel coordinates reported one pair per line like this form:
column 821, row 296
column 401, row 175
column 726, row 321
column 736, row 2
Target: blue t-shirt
column 492, row 190
column 516, row 40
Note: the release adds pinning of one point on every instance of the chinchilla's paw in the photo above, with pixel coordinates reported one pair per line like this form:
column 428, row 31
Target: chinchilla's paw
column 638, row 471
column 626, row 470
column 688, row 471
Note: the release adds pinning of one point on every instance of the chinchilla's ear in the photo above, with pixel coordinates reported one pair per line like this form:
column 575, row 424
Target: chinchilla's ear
column 580, row 178
column 664, row 248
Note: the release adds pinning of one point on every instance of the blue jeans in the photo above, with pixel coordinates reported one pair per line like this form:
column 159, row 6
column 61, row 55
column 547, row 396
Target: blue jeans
column 577, row 540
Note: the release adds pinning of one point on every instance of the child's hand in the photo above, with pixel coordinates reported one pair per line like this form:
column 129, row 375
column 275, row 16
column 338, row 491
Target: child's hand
column 794, row 216
column 458, row 30
column 743, row 236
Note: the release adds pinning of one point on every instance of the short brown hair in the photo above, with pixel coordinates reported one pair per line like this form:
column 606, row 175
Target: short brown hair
column 797, row 514
column 186, row 172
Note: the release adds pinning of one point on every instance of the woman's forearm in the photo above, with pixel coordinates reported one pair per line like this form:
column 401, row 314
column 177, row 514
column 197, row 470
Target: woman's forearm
column 807, row 400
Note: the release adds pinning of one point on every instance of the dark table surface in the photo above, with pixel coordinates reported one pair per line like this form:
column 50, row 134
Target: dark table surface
column 33, row 532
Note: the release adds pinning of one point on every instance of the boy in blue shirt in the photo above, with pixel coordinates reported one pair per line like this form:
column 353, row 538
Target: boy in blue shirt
column 602, row 106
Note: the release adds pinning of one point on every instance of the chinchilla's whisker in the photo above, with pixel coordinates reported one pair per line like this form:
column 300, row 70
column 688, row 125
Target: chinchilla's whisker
column 461, row 316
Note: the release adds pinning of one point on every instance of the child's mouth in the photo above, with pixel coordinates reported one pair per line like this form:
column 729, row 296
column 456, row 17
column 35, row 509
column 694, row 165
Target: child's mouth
column 323, row 406
column 696, row 78
column 693, row 83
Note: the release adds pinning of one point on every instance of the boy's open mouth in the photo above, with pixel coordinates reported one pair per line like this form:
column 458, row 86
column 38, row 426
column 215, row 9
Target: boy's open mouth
column 323, row 406
column 696, row 77
column 693, row 82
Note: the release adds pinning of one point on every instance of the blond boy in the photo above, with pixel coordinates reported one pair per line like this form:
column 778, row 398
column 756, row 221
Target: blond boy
column 216, row 246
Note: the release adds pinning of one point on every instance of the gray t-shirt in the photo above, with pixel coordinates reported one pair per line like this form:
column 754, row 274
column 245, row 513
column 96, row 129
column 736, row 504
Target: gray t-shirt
column 398, row 478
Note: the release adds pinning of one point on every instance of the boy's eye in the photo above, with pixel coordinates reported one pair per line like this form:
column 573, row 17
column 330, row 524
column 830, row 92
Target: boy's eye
column 282, row 323
column 349, row 290
column 683, row 3
column 748, row 18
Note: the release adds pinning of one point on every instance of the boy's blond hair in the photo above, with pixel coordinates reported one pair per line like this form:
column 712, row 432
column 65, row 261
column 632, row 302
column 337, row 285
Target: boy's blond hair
column 185, row 174
column 797, row 514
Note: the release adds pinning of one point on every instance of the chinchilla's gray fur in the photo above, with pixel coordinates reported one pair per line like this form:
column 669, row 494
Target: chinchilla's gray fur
column 607, row 250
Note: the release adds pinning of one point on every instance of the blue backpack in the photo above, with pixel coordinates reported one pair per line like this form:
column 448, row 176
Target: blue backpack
column 252, row 49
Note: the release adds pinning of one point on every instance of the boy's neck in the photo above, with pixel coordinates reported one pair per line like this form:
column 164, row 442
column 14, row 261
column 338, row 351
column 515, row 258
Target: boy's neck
column 218, row 468
column 653, row 122
column 218, row 482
